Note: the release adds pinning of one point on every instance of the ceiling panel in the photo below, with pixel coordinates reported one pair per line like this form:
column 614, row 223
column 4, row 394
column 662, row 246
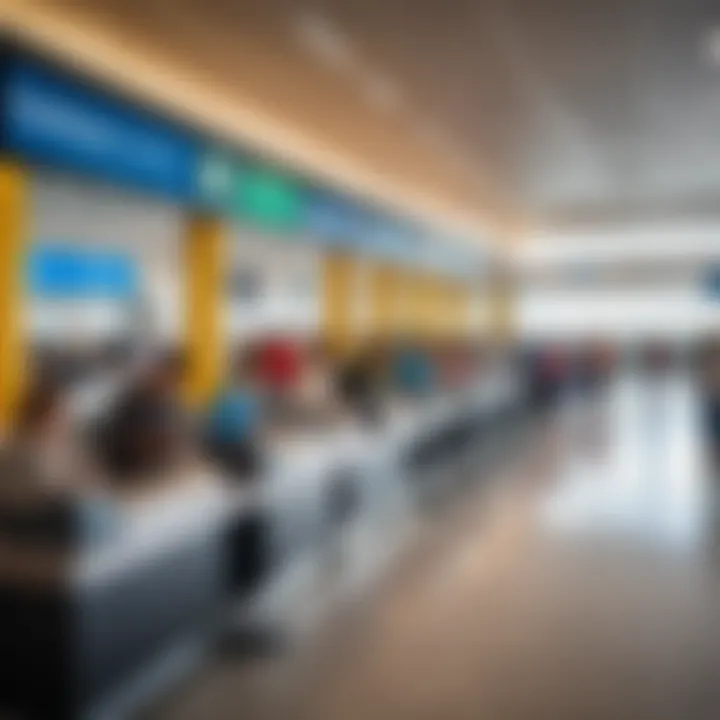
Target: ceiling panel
column 558, row 111
column 252, row 50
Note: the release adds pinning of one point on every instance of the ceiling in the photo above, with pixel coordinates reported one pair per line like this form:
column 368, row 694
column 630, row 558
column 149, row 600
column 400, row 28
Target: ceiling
column 518, row 113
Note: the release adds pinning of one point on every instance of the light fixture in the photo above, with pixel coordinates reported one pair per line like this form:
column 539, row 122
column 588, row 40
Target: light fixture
column 322, row 39
column 710, row 46
column 465, row 166
column 433, row 136
column 382, row 93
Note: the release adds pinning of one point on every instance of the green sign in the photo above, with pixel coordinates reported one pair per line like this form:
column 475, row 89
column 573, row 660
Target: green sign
column 255, row 194
column 268, row 199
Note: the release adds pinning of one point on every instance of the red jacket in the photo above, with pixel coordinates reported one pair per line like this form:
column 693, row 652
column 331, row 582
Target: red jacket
column 279, row 364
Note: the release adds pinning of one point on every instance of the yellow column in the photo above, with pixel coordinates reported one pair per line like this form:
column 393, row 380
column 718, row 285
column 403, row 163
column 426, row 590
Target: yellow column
column 438, row 308
column 406, row 327
column 503, row 304
column 339, row 287
column 432, row 310
column 429, row 308
column 461, row 311
column 206, row 289
column 453, row 310
column 449, row 312
column 417, row 305
column 384, row 302
column 480, row 309
column 13, row 251
column 466, row 301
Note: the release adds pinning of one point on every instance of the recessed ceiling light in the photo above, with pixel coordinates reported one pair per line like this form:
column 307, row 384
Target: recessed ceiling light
column 710, row 46
column 383, row 93
column 464, row 165
column 433, row 135
column 325, row 41
column 470, row 170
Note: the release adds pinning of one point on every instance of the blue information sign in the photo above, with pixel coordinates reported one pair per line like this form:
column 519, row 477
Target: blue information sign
column 65, row 271
column 56, row 121
column 334, row 221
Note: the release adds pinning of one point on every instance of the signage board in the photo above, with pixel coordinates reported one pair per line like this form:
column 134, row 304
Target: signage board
column 256, row 194
column 56, row 121
column 330, row 219
column 217, row 171
column 267, row 198
column 66, row 271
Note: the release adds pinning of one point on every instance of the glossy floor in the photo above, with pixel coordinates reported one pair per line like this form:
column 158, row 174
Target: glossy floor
column 582, row 584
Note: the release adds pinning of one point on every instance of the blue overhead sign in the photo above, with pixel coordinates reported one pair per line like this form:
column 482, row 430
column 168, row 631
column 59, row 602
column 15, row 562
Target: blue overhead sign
column 395, row 242
column 337, row 222
column 55, row 121
column 65, row 271
column 334, row 221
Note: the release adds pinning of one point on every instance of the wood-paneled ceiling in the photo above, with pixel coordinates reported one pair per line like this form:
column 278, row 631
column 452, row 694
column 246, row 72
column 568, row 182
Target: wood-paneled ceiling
column 506, row 112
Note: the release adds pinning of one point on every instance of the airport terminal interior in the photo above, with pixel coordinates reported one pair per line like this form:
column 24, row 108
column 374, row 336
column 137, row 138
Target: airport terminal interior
column 359, row 359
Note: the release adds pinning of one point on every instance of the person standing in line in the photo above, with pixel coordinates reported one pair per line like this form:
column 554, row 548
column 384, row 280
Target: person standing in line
column 233, row 430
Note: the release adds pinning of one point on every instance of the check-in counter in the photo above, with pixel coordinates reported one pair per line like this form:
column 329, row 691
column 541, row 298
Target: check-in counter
column 94, row 627
column 310, row 492
column 434, row 441
column 339, row 500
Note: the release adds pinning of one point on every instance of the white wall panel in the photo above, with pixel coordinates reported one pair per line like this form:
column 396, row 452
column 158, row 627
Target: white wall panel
column 68, row 210
column 286, row 293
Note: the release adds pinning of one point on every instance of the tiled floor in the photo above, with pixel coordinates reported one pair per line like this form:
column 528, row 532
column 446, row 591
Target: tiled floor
column 585, row 585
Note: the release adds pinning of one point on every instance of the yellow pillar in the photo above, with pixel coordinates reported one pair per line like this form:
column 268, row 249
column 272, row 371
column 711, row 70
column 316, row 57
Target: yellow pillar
column 465, row 301
column 451, row 305
column 339, row 290
column 480, row 310
column 448, row 319
column 460, row 302
column 438, row 308
column 13, row 250
column 406, row 312
column 206, row 289
column 503, row 304
column 432, row 310
column 428, row 307
column 416, row 305
column 384, row 302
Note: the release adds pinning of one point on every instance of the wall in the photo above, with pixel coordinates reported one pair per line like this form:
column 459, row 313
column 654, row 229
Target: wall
column 273, row 285
column 67, row 210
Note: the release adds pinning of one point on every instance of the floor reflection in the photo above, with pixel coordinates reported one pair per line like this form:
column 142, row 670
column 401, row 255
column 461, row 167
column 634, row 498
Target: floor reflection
column 579, row 588
column 633, row 466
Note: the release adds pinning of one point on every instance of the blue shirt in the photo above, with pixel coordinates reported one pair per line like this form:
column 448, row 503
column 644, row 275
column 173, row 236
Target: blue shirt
column 414, row 371
column 234, row 416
